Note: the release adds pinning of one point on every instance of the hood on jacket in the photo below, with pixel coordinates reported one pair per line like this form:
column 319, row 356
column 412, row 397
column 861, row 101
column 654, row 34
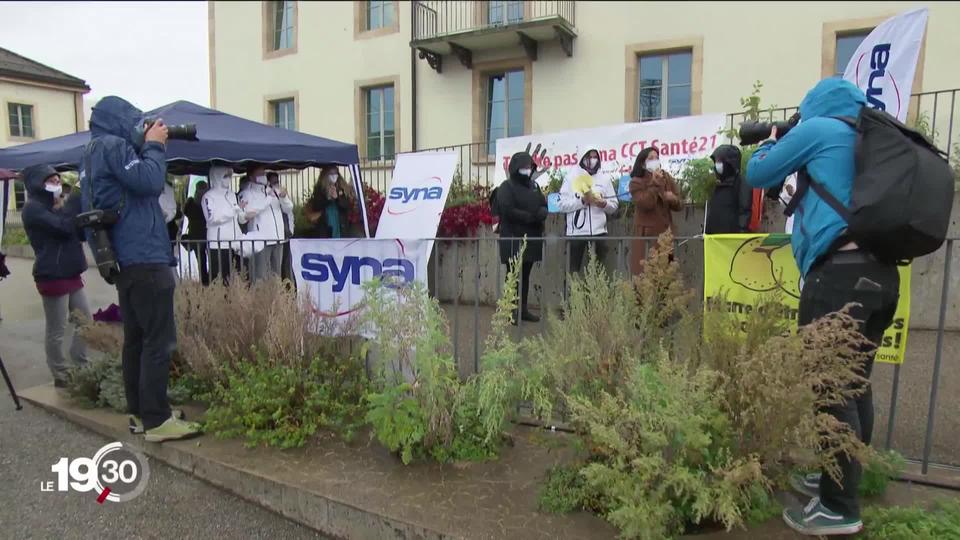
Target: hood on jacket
column 832, row 97
column 583, row 160
column 730, row 156
column 113, row 115
column 520, row 160
column 34, row 178
column 220, row 177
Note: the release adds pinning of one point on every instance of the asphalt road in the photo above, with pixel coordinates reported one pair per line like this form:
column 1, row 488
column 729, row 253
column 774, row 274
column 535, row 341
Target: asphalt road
column 174, row 505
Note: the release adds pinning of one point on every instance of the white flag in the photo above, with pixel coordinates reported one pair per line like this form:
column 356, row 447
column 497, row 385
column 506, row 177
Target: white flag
column 885, row 62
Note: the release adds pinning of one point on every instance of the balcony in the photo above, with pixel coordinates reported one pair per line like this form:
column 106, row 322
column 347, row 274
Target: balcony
column 456, row 28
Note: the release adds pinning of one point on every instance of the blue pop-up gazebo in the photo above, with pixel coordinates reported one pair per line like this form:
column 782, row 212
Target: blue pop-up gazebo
column 225, row 139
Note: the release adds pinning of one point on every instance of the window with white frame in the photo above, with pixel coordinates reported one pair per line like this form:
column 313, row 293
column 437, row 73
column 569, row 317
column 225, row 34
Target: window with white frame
column 21, row 120
column 380, row 14
column 505, row 106
column 665, row 85
column 381, row 131
column 283, row 113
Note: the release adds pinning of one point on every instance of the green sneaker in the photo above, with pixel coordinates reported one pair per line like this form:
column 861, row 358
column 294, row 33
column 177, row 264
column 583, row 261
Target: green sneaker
column 173, row 429
column 135, row 424
column 818, row 520
column 806, row 484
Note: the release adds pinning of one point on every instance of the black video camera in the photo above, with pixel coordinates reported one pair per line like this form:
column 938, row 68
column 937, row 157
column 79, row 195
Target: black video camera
column 99, row 221
column 753, row 132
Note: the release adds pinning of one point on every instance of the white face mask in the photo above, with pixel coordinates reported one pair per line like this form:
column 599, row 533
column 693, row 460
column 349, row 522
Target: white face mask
column 262, row 179
column 592, row 162
column 525, row 172
column 332, row 178
column 55, row 189
column 719, row 167
column 653, row 165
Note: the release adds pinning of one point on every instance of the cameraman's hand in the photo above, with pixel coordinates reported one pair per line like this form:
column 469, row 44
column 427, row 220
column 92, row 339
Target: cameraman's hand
column 773, row 134
column 157, row 133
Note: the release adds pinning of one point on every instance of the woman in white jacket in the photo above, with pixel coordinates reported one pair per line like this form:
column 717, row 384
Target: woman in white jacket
column 587, row 197
column 267, row 205
column 224, row 216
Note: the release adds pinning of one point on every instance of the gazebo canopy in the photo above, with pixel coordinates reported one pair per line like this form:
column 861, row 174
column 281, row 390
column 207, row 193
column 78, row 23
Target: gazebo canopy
column 224, row 139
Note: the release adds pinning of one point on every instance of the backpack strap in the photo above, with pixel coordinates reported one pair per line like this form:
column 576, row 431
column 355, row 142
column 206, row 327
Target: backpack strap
column 806, row 182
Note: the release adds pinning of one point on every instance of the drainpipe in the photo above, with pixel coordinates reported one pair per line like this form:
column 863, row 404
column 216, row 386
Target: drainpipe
column 413, row 77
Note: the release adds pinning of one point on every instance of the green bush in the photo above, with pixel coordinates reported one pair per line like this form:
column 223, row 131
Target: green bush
column 697, row 180
column 15, row 236
column 942, row 522
column 879, row 471
column 281, row 405
column 98, row 383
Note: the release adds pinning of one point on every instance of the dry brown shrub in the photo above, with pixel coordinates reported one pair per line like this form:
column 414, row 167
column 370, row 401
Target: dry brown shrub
column 220, row 325
column 104, row 337
column 775, row 384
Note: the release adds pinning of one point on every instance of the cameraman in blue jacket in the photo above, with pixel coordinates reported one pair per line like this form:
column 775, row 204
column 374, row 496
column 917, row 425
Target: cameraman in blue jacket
column 836, row 272
column 125, row 168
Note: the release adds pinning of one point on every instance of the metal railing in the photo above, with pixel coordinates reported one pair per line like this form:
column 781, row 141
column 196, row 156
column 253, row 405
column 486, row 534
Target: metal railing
column 438, row 18
column 466, row 275
column 934, row 114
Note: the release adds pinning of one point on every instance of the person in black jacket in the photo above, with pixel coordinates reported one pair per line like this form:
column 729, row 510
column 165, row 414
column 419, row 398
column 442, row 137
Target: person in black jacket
column 523, row 210
column 729, row 208
column 197, row 229
column 59, row 263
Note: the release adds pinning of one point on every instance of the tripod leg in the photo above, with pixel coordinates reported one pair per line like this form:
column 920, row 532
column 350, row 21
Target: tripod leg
column 13, row 392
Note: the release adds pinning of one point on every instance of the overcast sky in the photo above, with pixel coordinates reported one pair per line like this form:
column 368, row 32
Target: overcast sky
column 150, row 53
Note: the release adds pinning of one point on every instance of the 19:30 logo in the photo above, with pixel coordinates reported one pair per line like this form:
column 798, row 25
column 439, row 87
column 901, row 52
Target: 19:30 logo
column 117, row 473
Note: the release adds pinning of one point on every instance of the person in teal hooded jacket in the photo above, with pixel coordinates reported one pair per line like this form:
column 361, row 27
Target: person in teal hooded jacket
column 836, row 273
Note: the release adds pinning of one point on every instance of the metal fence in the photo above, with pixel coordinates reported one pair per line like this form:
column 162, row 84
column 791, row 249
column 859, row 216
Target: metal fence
column 438, row 18
column 934, row 114
column 466, row 276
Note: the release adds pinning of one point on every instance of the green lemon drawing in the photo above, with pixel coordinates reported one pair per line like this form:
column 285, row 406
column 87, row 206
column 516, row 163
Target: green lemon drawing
column 750, row 267
column 784, row 270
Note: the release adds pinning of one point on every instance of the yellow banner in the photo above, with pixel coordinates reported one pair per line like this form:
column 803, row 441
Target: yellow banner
column 747, row 266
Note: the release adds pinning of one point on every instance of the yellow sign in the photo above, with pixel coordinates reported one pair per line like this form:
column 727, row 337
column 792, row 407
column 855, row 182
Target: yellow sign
column 747, row 266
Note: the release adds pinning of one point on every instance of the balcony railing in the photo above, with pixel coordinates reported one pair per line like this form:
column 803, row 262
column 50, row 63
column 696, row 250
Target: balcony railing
column 441, row 18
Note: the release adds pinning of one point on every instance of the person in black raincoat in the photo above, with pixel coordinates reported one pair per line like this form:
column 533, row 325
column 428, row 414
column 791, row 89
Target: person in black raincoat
column 728, row 211
column 522, row 208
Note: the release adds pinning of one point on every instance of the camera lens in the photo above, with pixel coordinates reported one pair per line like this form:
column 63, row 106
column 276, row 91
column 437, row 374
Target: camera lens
column 182, row 132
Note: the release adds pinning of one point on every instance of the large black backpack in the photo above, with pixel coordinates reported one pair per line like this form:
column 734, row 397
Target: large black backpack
column 902, row 191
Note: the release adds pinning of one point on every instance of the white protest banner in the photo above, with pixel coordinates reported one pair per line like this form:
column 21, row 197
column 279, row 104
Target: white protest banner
column 678, row 140
column 886, row 60
column 332, row 272
column 417, row 194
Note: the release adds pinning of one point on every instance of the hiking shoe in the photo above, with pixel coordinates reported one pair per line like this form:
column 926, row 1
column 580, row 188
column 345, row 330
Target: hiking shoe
column 817, row 520
column 806, row 484
column 135, row 424
column 173, row 429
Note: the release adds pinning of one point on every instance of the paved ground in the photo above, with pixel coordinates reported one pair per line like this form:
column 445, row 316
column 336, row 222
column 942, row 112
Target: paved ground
column 175, row 504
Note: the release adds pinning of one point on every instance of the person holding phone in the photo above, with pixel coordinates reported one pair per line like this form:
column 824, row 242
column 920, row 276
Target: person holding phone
column 656, row 196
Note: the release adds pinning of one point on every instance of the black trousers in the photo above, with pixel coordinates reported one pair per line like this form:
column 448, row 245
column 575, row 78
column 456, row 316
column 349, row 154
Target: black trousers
column 578, row 246
column 221, row 262
column 843, row 278
column 524, row 291
column 149, row 339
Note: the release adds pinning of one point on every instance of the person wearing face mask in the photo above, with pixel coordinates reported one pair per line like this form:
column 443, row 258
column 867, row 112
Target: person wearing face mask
column 273, row 180
column 223, row 215
column 328, row 206
column 522, row 209
column 267, row 204
column 656, row 196
column 728, row 211
column 587, row 196
column 59, row 264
